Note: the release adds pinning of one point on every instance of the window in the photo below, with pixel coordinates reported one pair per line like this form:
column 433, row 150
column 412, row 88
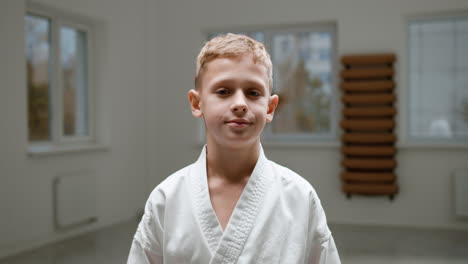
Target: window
column 57, row 52
column 304, row 68
column 438, row 79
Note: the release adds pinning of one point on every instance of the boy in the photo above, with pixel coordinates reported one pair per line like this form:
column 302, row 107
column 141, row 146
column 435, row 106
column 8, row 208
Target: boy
column 233, row 205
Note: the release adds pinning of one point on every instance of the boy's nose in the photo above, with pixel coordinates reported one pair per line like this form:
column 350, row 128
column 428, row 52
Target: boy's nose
column 239, row 105
column 239, row 108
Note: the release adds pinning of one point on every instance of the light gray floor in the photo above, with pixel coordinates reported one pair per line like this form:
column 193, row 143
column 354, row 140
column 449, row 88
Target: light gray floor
column 356, row 245
column 397, row 245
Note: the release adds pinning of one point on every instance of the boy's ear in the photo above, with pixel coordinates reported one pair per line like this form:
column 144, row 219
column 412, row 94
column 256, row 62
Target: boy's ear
column 272, row 104
column 194, row 100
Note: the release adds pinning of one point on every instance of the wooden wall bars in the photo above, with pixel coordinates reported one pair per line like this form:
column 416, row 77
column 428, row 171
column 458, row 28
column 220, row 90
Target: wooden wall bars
column 368, row 122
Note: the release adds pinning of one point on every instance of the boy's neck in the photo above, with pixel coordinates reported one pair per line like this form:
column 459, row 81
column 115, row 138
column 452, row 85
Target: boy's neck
column 233, row 165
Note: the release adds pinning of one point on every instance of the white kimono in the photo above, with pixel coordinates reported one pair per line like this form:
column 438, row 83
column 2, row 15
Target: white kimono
column 278, row 219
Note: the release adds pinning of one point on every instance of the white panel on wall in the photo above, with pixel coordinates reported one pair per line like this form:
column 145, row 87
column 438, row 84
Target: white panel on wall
column 75, row 199
column 461, row 193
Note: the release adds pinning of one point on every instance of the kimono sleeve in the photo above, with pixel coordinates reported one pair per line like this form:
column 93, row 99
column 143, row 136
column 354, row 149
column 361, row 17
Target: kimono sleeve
column 320, row 243
column 147, row 243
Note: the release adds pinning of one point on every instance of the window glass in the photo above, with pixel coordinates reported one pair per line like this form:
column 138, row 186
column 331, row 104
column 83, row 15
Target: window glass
column 438, row 84
column 302, row 78
column 38, row 65
column 73, row 61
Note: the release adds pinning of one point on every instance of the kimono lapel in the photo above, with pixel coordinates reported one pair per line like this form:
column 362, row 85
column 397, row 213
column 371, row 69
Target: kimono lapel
column 245, row 213
column 226, row 247
column 207, row 220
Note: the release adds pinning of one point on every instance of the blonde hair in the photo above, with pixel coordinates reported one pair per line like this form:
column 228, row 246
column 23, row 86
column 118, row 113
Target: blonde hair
column 230, row 46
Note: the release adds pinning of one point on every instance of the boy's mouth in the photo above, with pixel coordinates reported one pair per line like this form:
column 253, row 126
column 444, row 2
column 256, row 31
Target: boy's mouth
column 238, row 122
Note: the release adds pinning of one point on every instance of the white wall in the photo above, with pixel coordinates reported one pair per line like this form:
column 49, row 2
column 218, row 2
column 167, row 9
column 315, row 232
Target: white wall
column 424, row 174
column 26, row 216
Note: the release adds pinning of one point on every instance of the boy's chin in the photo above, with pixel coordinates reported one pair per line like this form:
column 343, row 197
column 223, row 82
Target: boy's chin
column 236, row 143
column 240, row 144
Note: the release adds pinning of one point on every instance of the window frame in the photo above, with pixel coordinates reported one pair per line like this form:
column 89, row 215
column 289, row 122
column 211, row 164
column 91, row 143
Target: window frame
column 58, row 139
column 296, row 139
column 427, row 141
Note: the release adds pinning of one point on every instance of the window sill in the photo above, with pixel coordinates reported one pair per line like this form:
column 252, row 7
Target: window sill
column 338, row 144
column 292, row 144
column 46, row 150
column 298, row 144
column 437, row 146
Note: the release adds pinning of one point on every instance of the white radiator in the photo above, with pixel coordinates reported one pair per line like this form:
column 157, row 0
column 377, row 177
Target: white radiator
column 75, row 199
column 461, row 193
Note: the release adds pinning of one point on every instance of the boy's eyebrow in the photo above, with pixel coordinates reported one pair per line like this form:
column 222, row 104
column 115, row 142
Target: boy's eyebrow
column 221, row 82
column 255, row 83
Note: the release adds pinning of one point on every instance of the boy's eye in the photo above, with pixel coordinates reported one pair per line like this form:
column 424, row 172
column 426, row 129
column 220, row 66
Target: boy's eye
column 254, row 93
column 222, row 91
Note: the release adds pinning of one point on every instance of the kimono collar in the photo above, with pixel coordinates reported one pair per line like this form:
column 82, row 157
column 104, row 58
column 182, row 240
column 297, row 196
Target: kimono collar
column 229, row 244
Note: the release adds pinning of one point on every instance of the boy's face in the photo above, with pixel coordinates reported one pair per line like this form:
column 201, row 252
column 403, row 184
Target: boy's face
column 234, row 100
